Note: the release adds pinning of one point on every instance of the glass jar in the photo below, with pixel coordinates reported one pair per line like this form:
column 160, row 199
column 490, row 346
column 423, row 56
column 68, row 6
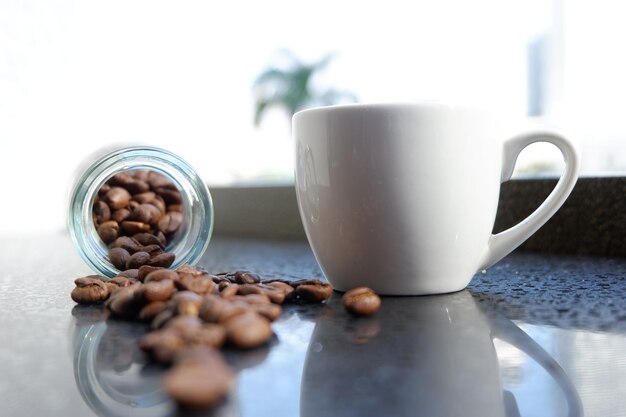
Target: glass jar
column 194, row 234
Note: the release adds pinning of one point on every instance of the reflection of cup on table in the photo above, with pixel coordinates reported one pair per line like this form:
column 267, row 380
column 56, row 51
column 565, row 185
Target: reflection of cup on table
column 431, row 356
column 403, row 198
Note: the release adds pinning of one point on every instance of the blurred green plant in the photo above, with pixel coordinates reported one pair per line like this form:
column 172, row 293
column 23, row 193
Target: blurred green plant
column 289, row 86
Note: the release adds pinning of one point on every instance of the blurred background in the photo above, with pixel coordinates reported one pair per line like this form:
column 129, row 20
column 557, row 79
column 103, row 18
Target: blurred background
column 217, row 82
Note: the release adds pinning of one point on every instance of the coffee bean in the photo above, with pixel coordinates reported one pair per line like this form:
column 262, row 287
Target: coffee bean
column 269, row 311
column 314, row 293
column 147, row 197
column 361, row 301
column 159, row 203
column 200, row 284
column 191, row 270
column 132, row 227
column 108, row 231
column 117, row 198
column 175, row 207
column 248, row 330
column 163, row 317
column 145, row 270
column 156, row 180
column 101, row 212
column 162, row 238
column 120, row 178
column 246, row 277
column 187, row 302
column 130, row 273
column 252, row 299
column 212, row 335
column 120, row 215
column 151, row 310
column 164, row 260
column 183, row 323
column 89, row 290
column 147, row 239
column 125, row 242
column 137, row 259
column 120, row 281
column 136, row 186
column 228, row 290
column 153, row 250
column 103, row 190
column 276, row 295
column 125, row 302
column 287, row 289
column 146, row 213
column 199, row 381
column 160, row 274
column 162, row 345
column 158, row 290
column 170, row 223
column 119, row 257
column 214, row 309
column 169, row 196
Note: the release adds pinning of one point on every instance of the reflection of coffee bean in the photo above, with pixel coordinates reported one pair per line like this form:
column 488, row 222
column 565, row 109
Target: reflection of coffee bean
column 361, row 301
column 200, row 378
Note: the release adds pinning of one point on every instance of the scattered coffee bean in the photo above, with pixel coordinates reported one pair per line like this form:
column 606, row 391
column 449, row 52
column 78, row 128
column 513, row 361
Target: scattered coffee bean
column 211, row 335
column 160, row 274
column 361, row 301
column 215, row 309
column 158, row 290
column 145, row 270
column 248, row 330
column 228, row 290
column 130, row 273
column 150, row 311
column 314, row 292
column 89, row 290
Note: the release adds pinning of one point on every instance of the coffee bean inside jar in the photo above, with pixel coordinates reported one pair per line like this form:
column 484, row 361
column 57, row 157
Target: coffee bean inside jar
column 137, row 214
column 139, row 206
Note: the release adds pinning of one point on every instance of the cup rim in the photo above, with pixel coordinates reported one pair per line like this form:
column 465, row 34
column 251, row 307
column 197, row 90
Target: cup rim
column 377, row 106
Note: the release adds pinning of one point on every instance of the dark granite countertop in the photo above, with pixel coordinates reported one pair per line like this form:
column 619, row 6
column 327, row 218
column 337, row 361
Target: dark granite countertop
column 536, row 335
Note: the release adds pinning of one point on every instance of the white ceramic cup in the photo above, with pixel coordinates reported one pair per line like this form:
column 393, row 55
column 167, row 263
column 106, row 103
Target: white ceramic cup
column 402, row 198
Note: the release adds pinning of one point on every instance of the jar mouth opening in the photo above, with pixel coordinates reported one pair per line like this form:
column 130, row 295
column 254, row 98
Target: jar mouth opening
column 188, row 243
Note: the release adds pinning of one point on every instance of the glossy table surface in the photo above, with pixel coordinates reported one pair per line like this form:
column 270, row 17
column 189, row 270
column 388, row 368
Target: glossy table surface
column 536, row 335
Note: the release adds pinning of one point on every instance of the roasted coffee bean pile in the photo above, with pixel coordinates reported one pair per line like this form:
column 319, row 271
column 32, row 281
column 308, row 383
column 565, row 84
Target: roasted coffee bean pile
column 192, row 314
column 136, row 213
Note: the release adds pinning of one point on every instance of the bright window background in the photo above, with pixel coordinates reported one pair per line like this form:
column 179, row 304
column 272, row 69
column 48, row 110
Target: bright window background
column 78, row 75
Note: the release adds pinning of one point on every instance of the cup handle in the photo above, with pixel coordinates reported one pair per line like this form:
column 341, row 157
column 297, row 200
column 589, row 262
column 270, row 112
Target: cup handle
column 507, row 331
column 505, row 242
